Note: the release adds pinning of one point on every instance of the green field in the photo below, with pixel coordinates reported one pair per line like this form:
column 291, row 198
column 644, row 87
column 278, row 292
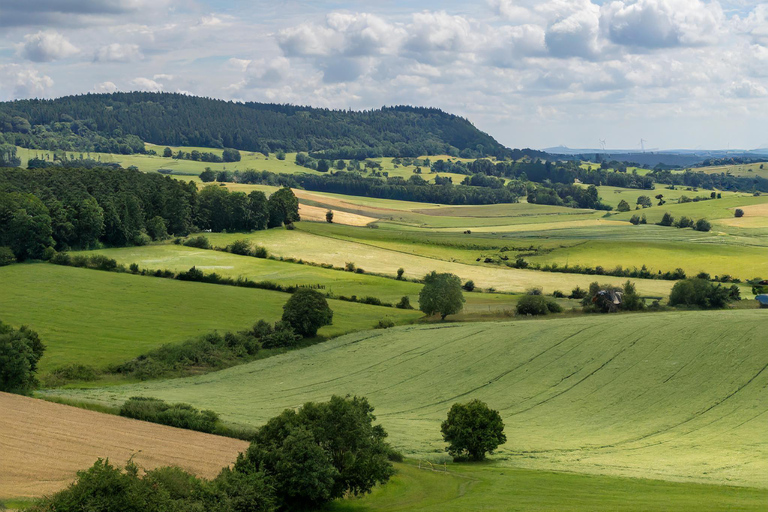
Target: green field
column 745, row 170
column 320, row 249
column 676, row 396
column 491, row 488
column 98, row 318
column 613, row 195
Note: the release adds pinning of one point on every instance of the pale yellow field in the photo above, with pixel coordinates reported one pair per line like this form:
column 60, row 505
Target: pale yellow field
column 43, row 445
column 317, row 214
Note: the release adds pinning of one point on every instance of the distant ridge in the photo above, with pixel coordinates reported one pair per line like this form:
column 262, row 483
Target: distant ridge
column 182, row 120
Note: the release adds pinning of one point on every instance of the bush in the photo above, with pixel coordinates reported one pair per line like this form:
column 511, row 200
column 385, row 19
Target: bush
column 667, row 220
column 175, row 415
column 282, row 336
column 635, row 219
column 684, row 222
column 241, row 247
column 534, row 291
column 385, row 323
column 623, row 206
column 558, row 294
column 306, row 311
column 329, row 216
column 699, row 293
column 702, row 225
column 578, row 293
column 134, row 268
column 469, row 285
column 405, row 303
column 537, row 305
column 400, row 273
column 200, row 242
column 738, row 213
column 6, row 256
column 471, row 430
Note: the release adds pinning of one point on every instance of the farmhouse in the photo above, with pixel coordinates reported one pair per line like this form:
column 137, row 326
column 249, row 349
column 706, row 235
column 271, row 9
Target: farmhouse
column 763, row 300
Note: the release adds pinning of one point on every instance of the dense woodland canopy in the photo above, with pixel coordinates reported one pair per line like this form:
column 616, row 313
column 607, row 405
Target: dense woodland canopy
column 67, row 208
column 117, row 123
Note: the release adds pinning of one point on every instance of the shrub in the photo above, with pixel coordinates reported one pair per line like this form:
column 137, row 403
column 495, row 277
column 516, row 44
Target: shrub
column 635, row 219
column 306, row 311
column 558, row 294
column 471, row 430
column 537, row 305
column 684, row 222
column 282, row 336
column 241, row 247
column 400, row 273
column 699, row 293
column 623, row 206
column 134, row 268
column 738, row 213
column 702, row 225
column 667, row 220
column 578, row 293
column 469, row 285
column 176, row 415
column 534, row 291
column 405, row 303
column 200, row 242
column 329, row 216
column 385, row 323
column 349, row 266
column 6, row 256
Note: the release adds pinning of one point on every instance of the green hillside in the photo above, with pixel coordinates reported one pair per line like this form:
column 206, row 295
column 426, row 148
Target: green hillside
column 675, row 396
column 98, row 318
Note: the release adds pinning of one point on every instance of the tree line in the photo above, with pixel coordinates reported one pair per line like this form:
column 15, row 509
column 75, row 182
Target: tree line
column 58, row 209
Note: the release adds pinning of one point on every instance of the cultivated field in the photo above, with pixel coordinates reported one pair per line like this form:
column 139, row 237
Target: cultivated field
column 676, row 396
column 98, row 318
column 43, row 445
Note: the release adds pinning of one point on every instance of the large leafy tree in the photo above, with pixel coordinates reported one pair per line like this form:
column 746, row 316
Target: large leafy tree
column 20, row 351
column 307, row 311
column 319, row 453
column 472, row 429
column 283, row 208
column 441, row 294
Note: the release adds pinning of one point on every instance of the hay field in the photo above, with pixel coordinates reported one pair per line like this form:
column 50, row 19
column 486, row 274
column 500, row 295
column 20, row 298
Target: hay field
column 676, row 396
column 43, row 445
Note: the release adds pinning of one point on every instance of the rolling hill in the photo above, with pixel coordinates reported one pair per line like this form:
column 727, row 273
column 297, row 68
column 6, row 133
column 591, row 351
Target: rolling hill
column 676, row 396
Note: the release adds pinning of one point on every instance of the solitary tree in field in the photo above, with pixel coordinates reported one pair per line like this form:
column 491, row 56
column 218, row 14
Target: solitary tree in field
column 307, row 311
column 623, row 206
column 441, row 294
column 20, row 350
column 167, row 153
column 472, row 429
column 644, row 201
column 738, row 213
column 329, row 216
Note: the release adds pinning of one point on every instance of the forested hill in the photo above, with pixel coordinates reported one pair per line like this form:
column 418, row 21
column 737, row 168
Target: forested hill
column 181, row 120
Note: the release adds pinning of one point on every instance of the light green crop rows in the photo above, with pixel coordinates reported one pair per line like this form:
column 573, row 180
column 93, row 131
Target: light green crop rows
column 677, row 396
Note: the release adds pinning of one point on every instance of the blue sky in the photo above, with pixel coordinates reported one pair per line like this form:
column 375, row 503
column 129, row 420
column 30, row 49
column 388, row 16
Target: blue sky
column 678, row 73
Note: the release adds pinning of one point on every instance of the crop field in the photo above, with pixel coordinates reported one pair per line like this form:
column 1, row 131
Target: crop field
column 613, row 195
column 490, row 488
column 749, row 170
column 32, row 430
column 298, row 244
column 676, row 396
column 99, row 318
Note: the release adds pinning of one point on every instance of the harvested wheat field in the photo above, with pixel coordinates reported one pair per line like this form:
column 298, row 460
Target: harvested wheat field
column 317, row 214
column 43, row 445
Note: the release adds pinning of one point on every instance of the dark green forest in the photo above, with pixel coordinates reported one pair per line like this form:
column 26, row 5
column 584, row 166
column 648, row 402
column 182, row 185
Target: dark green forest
column 42, row 210
column 119, row 122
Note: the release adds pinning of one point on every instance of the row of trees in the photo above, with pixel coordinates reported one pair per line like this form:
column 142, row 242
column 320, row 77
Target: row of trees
column 79, row 208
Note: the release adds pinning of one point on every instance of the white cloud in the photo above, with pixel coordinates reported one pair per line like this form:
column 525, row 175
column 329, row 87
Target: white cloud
column 163, row 76
column 438, row 32
column 105, row 87
column 23, row 82
column 575, row 35
column 117, row 52
column 238, row 64
column 145, row 84
column 46, row 47
column 662, row 23
column 746, row 89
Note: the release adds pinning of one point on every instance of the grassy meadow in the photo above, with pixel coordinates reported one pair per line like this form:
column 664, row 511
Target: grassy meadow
column 676, row 396
column 99, row 318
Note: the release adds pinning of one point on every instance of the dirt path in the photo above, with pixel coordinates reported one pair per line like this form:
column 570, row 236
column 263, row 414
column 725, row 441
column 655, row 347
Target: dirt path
column 43, row 445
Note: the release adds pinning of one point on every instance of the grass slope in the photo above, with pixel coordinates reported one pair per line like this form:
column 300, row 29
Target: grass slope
column 490, row 488
column 98, row 318
column 676, row 396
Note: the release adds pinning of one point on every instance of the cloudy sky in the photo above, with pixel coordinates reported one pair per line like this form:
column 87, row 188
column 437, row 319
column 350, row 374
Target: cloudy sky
column 677, row 73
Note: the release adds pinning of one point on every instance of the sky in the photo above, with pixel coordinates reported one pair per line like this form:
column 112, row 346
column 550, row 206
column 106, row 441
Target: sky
column 676, row 73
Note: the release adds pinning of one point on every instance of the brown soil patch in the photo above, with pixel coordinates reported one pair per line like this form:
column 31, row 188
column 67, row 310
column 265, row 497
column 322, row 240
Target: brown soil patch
column 317, row 214
column 43, row 445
